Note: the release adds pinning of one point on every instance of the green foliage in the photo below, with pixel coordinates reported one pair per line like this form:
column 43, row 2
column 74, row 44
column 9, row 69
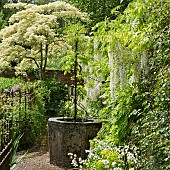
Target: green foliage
column 14, row 159
column 152, row 129
column 2, row 21
column 55, row 102
column 99, row 10
column 95, row 107
column 5, row 14
column 75, row 32
column 28, row 113
column 8, row 83
column 67, row 109
column 33, row 120
column 40, row 2
column 30, row 119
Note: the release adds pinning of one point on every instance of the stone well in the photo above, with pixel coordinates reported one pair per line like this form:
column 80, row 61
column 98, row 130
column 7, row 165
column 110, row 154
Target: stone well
column 66, row 136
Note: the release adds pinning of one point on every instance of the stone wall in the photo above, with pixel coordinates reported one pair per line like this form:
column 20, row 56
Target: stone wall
column 53, row 74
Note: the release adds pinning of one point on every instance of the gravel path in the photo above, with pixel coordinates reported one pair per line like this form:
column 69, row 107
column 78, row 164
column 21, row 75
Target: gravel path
column 36, row 161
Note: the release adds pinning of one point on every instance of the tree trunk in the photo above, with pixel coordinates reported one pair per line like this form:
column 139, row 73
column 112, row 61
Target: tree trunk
column 41, row 62
column 45, row 62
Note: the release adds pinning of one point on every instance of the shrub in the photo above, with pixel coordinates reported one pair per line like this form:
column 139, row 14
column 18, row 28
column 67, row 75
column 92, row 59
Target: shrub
column 58, row 95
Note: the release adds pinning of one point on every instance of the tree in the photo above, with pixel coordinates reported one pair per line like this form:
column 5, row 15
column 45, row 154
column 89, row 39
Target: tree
column 34, row 35
column 99, row 10
column 76, row 58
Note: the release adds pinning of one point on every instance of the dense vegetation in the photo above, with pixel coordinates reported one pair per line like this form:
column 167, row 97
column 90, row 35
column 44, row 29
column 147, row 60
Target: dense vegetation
column 138, row 47
column 125, row 66
column 32, row 104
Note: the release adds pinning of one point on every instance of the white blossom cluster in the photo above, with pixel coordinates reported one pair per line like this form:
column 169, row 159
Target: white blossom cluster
column 76, row 162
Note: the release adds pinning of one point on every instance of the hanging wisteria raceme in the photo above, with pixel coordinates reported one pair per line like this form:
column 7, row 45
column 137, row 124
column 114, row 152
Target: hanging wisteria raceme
column 95, row 73
column 123, row 61
column 112, row 75
column 140, row 67
column 144, row 62
column 119, row 66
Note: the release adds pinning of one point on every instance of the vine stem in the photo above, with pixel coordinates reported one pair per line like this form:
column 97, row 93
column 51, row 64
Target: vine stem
column 75, row 81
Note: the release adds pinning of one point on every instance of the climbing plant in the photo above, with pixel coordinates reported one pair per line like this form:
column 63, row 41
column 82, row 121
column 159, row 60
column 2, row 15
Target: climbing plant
column 136, row 49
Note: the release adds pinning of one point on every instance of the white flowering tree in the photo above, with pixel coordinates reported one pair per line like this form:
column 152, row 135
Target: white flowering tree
column 32, row 37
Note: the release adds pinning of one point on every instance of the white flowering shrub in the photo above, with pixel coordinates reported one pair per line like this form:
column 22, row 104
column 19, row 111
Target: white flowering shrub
column 103, row 156
column 33, row 35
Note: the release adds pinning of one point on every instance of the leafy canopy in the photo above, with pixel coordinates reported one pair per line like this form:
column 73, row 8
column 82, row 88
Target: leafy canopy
column 99, row 10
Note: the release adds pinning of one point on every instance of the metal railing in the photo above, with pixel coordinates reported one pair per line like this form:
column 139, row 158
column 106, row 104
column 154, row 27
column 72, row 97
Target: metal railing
column 21, row 101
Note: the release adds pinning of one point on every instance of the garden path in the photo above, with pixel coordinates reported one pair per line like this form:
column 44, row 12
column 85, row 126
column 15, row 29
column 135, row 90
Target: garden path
column 36, row 161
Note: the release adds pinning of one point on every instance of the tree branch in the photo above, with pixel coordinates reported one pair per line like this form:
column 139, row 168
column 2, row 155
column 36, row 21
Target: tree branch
column 34, row 61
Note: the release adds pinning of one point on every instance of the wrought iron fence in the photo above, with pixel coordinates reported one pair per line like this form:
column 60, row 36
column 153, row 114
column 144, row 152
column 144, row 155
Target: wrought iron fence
column 10, row 100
